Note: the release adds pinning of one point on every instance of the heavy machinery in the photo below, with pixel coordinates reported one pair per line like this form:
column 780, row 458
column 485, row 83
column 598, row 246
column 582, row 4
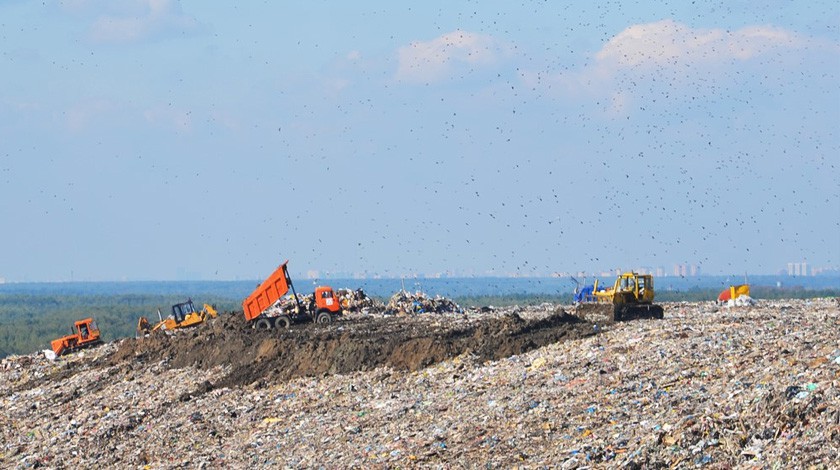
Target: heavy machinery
column 269, row 306
column 184, row 315
column 734, row 292
column 84, row 334
column 630, row 297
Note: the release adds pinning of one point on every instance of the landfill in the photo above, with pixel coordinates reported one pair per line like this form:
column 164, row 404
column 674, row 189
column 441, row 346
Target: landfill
column 406, row 303
column 752, row 386
column 356, row 300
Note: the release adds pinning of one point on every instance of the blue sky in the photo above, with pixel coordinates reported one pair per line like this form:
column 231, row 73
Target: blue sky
column 155, row 139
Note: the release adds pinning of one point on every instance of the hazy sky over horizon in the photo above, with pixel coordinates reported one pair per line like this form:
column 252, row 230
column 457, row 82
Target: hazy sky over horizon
column 158, row 139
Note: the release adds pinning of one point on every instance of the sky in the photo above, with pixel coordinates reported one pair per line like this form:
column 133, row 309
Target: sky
column 163, row 140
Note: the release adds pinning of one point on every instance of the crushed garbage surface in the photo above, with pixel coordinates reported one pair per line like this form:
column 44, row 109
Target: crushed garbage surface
column 706, row 387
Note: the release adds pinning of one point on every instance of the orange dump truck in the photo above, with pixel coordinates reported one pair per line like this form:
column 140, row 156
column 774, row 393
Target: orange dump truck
column 270, row 307
column 85, row 333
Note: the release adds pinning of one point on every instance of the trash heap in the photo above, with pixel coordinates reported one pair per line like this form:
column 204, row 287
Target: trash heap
column 740, row 301
column 405, row 303
column 356, row 300
column 286, row 305
column 743, row 387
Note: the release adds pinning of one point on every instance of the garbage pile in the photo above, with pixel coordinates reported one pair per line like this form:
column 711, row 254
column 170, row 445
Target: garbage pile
column 287, row 305
column 741, row 301
column 358, row 301
column 405, row 303
column 745, row 387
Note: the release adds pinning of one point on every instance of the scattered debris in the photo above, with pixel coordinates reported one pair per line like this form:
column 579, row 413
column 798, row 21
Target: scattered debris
column 755, row 387
column 741, row 301
column 357, row 300
column 405, row 303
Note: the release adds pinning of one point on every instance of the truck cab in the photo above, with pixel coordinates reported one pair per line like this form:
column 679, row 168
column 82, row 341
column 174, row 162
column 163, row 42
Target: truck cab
column 325, row 299
column 182, row 310
column 84, row 333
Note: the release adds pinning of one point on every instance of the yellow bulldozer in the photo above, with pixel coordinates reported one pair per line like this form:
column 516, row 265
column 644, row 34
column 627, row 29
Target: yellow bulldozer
column 630, row 297
column 184, row 315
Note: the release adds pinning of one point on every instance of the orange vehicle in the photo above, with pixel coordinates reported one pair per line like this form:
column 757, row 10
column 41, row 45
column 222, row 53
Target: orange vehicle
column 269, row 306
column 85, row 333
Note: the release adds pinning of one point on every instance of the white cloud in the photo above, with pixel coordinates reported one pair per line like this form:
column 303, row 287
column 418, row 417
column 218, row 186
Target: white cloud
column 82, row 115
column 132, row 20
column 670, row 54
column 667, row 42
column 434, row 60
column 178, row 120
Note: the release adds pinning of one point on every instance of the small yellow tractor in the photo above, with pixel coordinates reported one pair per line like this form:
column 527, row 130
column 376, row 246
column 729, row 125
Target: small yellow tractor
column 184, row 315
column 630, row 297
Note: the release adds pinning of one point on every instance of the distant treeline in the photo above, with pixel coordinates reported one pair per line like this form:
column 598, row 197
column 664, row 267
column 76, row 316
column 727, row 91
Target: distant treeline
column 29, row 321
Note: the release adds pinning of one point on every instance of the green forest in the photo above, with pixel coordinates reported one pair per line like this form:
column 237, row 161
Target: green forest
column 29, row 321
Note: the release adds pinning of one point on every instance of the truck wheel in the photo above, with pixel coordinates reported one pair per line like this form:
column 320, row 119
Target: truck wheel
column 282, row 322
column 262, row 324
column 324, row 318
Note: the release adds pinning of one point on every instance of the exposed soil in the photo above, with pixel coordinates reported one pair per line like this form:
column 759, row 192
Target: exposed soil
column 408, row 343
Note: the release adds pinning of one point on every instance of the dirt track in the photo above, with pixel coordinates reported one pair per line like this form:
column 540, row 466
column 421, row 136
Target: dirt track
column 406, row 343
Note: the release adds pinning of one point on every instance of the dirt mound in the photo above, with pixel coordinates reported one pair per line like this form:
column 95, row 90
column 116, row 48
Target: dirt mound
column 407, row 343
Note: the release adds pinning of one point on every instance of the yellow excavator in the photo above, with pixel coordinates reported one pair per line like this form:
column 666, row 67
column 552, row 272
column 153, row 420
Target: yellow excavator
column 184, row 315
column 630, row 297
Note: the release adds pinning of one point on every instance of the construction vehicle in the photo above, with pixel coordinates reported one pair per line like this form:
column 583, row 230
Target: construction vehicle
column 269, row 306
column 630, row 297
column 184, row 315
column 733, row 292
column 84, row 334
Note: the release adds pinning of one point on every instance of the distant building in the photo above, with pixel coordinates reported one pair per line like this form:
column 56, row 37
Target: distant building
column 797, row 269
column 825, row 271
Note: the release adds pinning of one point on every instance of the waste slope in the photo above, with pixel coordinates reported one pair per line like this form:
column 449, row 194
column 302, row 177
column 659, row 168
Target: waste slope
column 405, row 343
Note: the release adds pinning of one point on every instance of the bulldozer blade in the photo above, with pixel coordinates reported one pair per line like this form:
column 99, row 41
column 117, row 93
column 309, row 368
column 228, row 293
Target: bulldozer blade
column 635, row 312
column 595, row 312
